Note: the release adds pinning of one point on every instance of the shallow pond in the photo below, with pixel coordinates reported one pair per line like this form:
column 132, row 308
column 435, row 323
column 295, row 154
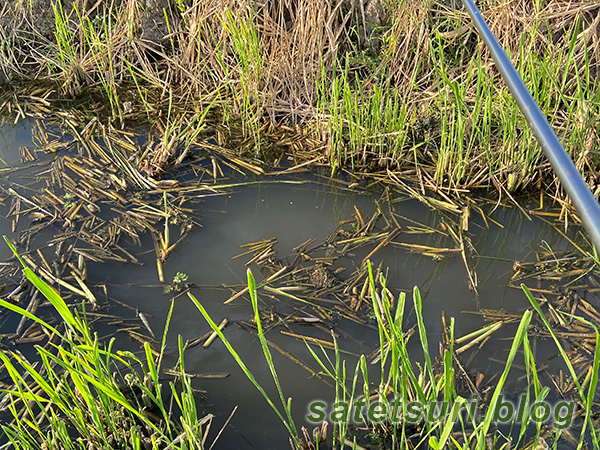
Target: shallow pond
column 294, row 208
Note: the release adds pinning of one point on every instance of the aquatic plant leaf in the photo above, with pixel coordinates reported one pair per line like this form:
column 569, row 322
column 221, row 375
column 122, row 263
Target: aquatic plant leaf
column 483, row 428
column 50, row 294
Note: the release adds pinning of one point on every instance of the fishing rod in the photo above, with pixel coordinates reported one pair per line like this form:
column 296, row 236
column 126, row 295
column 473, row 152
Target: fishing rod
column 577, row 190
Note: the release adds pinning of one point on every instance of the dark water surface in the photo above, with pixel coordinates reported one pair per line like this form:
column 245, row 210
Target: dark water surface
column 293, row 213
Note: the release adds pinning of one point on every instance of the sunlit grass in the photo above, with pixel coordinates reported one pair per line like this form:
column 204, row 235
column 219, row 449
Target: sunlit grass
column 106, row 394
column 420, row 92
column 81, row 392
column 410, row 377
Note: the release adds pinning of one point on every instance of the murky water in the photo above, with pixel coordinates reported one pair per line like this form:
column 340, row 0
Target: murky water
column 303, row 207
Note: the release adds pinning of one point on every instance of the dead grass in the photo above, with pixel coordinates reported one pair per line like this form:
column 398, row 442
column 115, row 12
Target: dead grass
column 418, row 68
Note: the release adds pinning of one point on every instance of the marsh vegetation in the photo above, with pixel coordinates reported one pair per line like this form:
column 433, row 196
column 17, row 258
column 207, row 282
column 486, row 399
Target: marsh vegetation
column 142, row 111
column 375, row 85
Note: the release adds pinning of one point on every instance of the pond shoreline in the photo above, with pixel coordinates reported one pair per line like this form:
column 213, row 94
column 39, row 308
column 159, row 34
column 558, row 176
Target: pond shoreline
column 110, row 237
column 392, row 85
column 140, row 113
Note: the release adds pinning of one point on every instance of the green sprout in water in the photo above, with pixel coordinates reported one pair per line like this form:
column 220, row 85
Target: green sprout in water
column 69, row 200
column 178, row 284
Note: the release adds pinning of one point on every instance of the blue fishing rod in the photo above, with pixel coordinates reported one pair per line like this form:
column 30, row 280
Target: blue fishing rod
column 577, row 190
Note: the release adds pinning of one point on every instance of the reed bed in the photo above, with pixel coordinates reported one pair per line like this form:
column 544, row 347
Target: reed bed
column 384, row 85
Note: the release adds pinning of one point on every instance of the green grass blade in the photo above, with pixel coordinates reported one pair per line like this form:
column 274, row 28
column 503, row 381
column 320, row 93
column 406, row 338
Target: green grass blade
column 238, row 359
column 50, row 294
column 519, row 336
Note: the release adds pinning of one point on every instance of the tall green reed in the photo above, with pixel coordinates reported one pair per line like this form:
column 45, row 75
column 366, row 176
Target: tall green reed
column 246, row 51
column 98, row 37
column 365, row 119
column 67, row 58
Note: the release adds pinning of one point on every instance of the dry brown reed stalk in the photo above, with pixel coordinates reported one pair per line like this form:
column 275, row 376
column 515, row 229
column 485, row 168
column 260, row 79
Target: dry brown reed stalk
column 409, row 43
column 297, row 40
column 300, row 48
column 392, row 84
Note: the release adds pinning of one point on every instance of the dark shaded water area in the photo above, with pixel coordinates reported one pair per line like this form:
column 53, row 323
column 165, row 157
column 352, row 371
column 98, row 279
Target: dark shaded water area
column 294, row 208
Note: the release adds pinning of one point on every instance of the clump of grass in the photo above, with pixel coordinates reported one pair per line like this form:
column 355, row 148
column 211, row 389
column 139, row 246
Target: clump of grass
column 81, row 393
column 402, row 84
column 421, row 379
column 423, row 382
column 246, row 50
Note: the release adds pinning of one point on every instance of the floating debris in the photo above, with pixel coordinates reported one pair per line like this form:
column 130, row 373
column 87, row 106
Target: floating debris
column 214, row 334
